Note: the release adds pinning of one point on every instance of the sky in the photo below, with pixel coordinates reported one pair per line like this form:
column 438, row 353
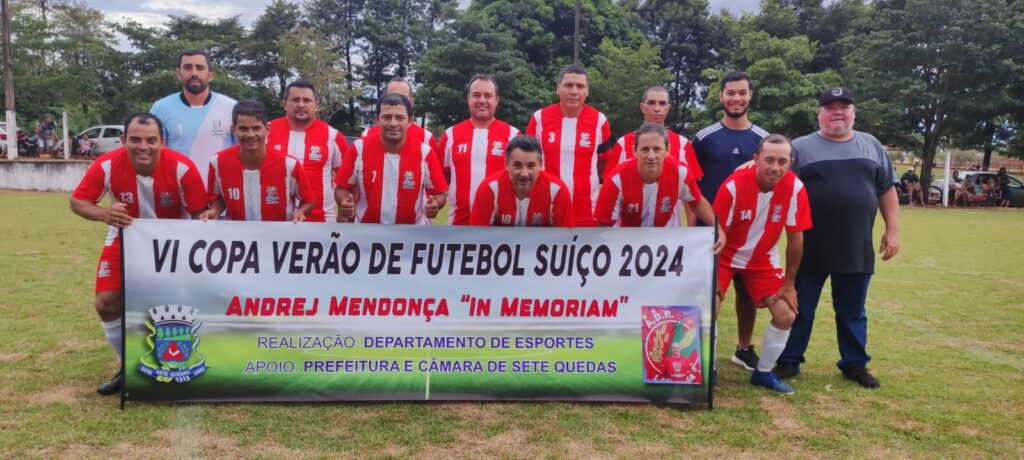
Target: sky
column 154, row 13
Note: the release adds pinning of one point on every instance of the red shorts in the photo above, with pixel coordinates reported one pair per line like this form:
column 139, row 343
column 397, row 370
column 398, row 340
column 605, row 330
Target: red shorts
column 759, row 283
column 108, row 271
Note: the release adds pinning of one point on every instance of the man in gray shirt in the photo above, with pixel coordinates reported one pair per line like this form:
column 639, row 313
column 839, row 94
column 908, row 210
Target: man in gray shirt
column 849, row 178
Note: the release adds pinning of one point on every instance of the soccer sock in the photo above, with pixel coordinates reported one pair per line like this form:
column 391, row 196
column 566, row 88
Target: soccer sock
column 114, row 332
column 774, row 342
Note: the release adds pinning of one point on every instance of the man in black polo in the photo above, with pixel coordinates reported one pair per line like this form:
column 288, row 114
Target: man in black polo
column 849, row 178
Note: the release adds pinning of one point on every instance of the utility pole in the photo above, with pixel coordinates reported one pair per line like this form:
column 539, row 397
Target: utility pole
column 576, row 37
column 12, row 126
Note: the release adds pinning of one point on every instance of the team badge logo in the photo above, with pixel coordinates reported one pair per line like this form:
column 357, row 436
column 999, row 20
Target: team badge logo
column 217, row 129
column 277, row 147
column 496, row 148
column 537, row 219
column 777, row 213
column 836, row 92
column 272, row 197
column 585, row 140
column 104, row 270
column 506, row 219
column 633, row 207
column 407, row 181
column 666, row 205
column 314, row 153
column 551, row 138
column 166, row 199
column 173, row 342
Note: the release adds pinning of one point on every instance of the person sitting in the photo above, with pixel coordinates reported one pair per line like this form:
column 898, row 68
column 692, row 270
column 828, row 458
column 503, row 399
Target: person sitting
column 85, row 145
column 956, row 190
column 912, row 185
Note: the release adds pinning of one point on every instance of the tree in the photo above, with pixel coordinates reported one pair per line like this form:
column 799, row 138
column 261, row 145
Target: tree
column 926, row 61
column 340, row 22
column 618, row 77
column 473, row 46
column 690, row 41
column 312, row 58
column 263, row 48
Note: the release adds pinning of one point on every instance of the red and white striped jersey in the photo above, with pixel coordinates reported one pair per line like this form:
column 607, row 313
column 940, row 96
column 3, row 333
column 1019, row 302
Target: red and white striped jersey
column 753, row 220
column 471, row 155
column 173, row 191
column 677, row 144
column 392, row 188
column 270, row 193
column 626, row 201
column 570, row 152
column 548, row 205
column 318, row 149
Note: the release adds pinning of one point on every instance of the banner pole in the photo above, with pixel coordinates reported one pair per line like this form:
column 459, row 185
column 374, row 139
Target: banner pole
column 714, row 316
column 124, row 373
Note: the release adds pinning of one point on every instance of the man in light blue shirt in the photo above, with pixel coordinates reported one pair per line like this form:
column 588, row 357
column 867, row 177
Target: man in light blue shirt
column 197, row 121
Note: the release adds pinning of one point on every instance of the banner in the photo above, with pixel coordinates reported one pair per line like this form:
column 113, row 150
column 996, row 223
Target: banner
column 261, row 311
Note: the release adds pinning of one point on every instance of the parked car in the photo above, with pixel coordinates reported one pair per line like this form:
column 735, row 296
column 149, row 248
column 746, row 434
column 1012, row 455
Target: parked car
column 104, row 137
column 1016, row 187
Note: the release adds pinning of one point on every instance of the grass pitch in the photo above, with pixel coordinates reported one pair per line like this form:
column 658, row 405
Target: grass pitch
column 947, row 324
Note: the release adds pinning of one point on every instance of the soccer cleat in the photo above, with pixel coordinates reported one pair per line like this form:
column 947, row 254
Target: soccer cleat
column 863, row 377
column 112, row 386
column 785, row 372
column 770, row 381
column 745, row 358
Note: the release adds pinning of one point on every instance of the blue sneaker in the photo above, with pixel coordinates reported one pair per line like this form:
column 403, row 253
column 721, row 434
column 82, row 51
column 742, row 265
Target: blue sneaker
column 770, row 381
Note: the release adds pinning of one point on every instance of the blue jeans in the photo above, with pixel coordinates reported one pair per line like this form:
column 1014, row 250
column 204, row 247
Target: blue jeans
column 849, row 293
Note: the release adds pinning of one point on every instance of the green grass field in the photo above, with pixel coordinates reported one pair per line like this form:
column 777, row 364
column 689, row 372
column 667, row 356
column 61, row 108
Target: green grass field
column 947, row 325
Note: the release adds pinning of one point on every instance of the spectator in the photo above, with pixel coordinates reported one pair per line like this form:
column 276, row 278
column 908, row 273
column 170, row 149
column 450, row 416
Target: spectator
column 912, row 185
column 46, row 134
column 956, row 189
column 85, row 145
column 1002, row 182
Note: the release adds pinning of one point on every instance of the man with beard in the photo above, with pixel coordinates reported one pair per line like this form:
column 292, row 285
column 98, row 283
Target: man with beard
column 197, row 121
column 754, row 205
column 146, row 180
column 720, row 149
column 523, row 195
column 572, row 134
column 316, row 145
column 475, row 148
column 253, row 183
column 849, row 179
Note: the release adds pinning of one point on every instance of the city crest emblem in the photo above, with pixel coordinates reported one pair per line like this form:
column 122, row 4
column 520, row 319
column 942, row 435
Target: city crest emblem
column 537, row 219
column 166, row 200
column 777, row 213
column 314, row 153
column 173, row 342
column 496, row 149
column 407, row 181
column 585, row 140
column 272, row 197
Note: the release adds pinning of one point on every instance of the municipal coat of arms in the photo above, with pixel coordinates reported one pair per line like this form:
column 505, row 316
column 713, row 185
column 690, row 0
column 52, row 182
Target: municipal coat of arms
column 173, row 341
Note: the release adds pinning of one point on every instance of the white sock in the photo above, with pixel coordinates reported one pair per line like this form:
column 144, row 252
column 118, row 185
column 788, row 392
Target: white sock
column 113, row 331
column 774, row 342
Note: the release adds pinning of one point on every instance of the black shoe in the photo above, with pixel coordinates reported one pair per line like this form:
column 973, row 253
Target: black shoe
column 784, row 372
column 863, row 377
column 112, row 386
column 745, row 358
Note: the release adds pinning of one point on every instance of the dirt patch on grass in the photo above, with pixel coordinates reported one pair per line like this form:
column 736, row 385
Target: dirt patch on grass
column 12, row 357
column 60, row 394
column 782, row 415
column 480, row 414
column 70, row 346
column 512, row 443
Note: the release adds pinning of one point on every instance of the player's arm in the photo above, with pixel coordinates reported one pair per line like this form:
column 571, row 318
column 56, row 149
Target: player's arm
column 482, row 212
column 607, row 204
column 345, row 184
column 305, row 195
column 216, row 198
column 704, row 212
column 437, row 186
column 562, row 209
column 116, row 215
column 217, row 207
column 889, row 205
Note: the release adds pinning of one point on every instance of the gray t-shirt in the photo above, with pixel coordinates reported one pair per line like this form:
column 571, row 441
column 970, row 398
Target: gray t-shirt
column 844, row 181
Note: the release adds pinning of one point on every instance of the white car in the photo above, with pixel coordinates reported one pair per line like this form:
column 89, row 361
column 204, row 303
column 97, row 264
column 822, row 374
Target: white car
column 104, row 137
